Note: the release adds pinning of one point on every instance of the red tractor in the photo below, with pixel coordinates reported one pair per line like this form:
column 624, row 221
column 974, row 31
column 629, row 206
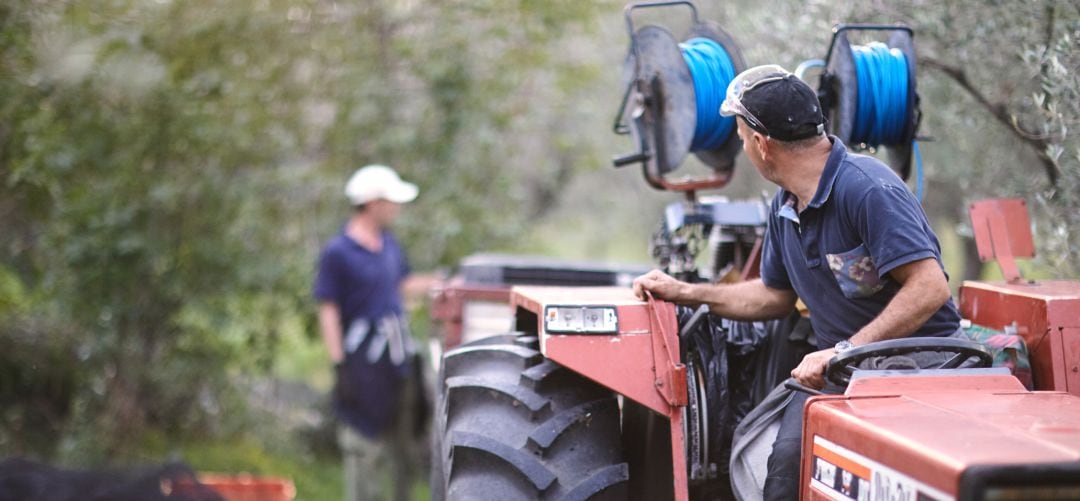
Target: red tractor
column 594, row 394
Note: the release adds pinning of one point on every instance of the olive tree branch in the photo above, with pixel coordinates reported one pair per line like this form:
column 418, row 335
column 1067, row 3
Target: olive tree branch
column 1000, row 112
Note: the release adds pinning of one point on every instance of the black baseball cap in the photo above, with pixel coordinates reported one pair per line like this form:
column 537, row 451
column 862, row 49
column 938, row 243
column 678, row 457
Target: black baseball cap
column 775, row 102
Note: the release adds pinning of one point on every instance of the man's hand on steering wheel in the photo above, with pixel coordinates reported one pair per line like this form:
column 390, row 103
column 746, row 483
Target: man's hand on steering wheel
column 811, row 371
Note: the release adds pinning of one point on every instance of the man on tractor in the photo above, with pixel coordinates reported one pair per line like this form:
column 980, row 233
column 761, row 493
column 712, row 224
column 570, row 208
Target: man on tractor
column 845, row 235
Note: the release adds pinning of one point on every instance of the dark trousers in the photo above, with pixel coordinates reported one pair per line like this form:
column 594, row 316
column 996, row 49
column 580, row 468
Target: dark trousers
column 782, row 480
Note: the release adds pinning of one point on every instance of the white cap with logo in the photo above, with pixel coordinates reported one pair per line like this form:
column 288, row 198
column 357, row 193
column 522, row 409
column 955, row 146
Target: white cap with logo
column 378, row 181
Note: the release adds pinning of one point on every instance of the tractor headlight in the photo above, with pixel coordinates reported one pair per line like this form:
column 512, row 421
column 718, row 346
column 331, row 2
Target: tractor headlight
column 581, row 319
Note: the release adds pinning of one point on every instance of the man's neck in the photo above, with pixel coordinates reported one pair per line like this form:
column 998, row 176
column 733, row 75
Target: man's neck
column 801, row 174
column 365, row 230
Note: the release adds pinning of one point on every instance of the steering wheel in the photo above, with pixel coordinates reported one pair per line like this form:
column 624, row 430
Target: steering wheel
column 843, row 365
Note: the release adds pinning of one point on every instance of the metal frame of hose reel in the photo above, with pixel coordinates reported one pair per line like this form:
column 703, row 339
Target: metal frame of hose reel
column 838, row 89
column 658, row 108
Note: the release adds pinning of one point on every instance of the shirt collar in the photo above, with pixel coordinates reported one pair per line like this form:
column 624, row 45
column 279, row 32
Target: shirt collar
column 787, row 207
column 831, row 172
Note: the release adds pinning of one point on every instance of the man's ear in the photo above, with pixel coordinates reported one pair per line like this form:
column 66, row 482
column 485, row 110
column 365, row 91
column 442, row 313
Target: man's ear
column 762, row 144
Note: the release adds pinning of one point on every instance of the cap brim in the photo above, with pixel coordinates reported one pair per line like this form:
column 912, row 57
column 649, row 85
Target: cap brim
column 402, row 193
column 726, row 110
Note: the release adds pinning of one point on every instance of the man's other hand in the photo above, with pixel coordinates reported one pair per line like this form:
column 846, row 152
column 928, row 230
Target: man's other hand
column 661, row 285
column 811, row 371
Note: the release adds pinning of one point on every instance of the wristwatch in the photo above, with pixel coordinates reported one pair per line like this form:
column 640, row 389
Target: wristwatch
column 843, row 346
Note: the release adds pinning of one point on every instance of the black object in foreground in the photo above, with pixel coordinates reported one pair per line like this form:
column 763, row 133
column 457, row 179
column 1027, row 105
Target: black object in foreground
column 22, row 480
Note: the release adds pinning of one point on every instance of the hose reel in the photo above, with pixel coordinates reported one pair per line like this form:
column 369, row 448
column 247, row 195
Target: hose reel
column 671, row 105
column 869, row 95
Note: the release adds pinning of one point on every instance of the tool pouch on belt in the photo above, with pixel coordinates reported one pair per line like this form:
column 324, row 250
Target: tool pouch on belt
column 378, row 357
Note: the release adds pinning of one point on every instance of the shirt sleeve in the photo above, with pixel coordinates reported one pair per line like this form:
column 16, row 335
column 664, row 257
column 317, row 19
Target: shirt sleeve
column 328, row 277
column 773, row 272
column 894, row 228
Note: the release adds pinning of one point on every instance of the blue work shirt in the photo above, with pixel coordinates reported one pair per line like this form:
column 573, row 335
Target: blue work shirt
column 365, row 287
column 364, row 284
column 837, row 253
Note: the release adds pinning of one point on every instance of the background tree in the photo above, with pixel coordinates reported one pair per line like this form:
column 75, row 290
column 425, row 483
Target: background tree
column 999, row 90
column 171, row 168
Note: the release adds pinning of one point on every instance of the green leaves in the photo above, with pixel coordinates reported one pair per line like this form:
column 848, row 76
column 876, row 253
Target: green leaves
column 168, row 170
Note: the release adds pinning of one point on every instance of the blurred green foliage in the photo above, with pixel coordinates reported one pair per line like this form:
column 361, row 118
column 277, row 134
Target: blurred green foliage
column 169, row 169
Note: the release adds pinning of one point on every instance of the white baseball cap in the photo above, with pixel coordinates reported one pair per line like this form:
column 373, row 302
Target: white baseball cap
column 378, row 181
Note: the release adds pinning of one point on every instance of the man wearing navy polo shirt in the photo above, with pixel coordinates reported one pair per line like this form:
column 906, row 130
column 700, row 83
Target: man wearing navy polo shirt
column 845, row 235
column 361, row 274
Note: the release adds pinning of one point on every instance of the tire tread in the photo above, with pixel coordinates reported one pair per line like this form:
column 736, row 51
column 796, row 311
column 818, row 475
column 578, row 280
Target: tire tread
column 503, row 412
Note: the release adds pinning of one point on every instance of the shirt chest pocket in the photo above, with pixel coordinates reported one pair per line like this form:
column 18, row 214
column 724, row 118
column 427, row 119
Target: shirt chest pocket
column 855, row 272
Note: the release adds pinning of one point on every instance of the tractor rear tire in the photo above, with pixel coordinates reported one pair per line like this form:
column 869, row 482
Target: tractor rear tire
column 513, row 425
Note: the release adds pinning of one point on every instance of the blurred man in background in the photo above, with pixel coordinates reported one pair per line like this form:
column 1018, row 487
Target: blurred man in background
column 377, row 397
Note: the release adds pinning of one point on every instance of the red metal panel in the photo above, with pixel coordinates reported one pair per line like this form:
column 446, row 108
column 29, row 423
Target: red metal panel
column 678, row 455
column 1002, row 225
column 835, row 420
column 448, row 305
column 626, row 362
column 1063, row 316
column 1044, row 314
column 641, row 362
column 1070, row 339
column 669, row 372
column 890, row 386
column 623, row 363
column 933, row 436
column 1002, row 231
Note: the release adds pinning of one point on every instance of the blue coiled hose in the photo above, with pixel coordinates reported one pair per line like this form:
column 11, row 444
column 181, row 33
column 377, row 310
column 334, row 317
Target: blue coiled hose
column 711, row 70
column 882, row 108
